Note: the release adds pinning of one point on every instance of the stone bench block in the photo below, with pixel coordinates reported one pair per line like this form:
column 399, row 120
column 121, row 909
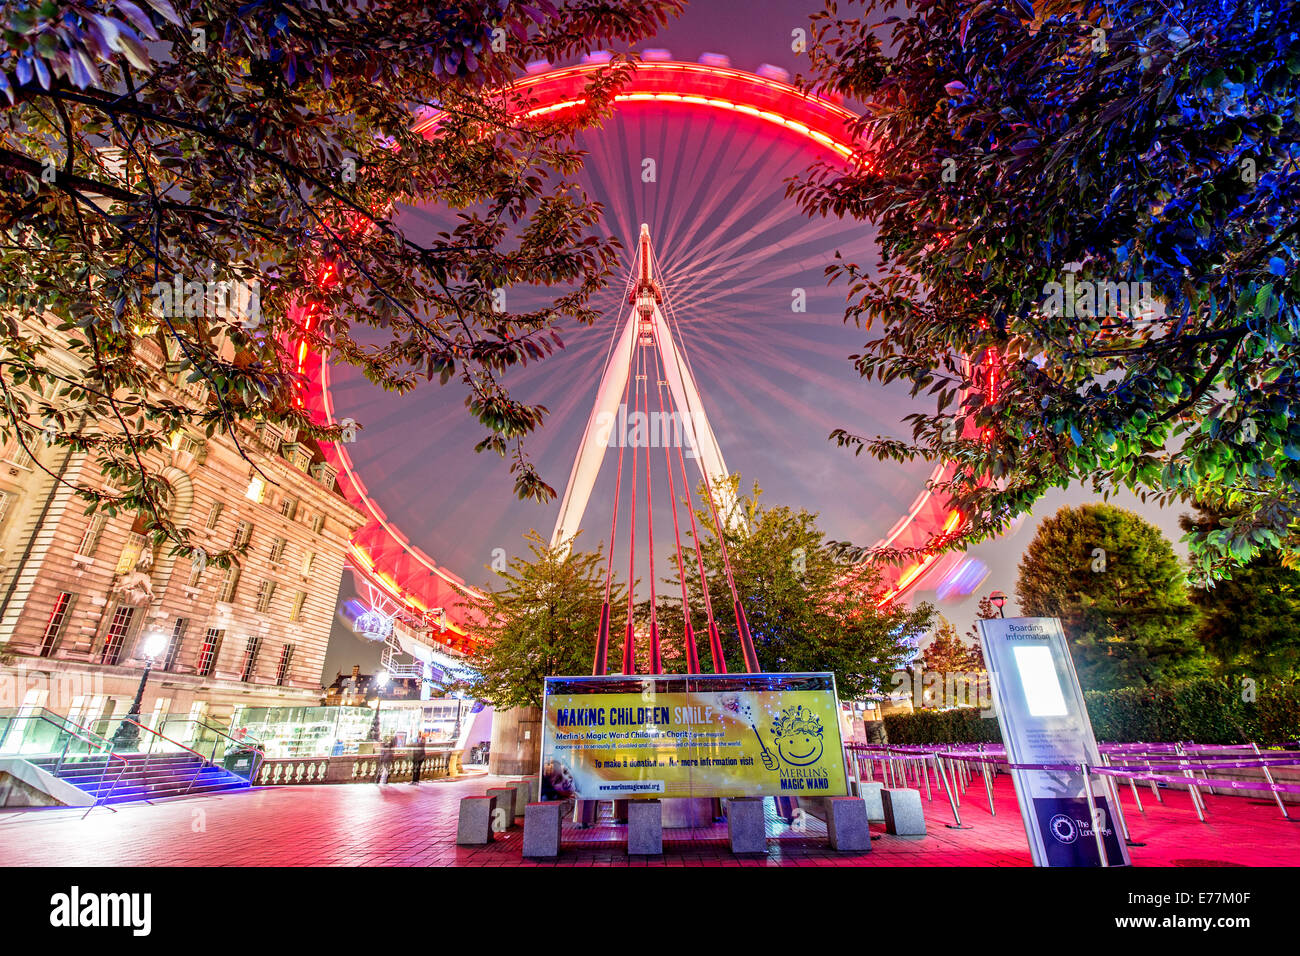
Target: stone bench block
column 474, row 825
column 903, row 813
column 846, row 824
column 645, row 828
column 505, row 800
column 542, row 829
column 745, row 825
column 870, row 792
column 523, row 795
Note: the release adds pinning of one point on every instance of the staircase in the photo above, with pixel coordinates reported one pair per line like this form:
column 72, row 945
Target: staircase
column 143, row 777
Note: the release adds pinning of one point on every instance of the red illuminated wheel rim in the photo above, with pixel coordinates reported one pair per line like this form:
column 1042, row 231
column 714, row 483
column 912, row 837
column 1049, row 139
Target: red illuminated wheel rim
column 386, row 557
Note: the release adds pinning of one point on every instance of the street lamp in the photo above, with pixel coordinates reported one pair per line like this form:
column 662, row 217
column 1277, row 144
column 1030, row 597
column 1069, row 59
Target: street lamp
column 999, row 600
column 382, row 680
column 127, row 736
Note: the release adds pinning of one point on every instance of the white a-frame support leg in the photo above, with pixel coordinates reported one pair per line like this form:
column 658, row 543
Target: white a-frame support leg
column 610, row 426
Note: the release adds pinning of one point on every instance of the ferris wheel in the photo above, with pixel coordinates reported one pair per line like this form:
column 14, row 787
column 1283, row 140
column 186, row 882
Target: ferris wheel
column 718, row 143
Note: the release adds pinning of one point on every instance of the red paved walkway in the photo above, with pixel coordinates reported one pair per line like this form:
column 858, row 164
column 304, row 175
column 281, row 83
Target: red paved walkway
column 403, row 825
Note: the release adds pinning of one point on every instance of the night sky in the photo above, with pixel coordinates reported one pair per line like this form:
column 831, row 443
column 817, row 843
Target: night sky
column 774, row 382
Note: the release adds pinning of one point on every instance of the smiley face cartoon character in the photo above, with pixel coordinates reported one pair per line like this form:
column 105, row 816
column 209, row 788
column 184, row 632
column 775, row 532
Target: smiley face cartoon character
column 798, row 735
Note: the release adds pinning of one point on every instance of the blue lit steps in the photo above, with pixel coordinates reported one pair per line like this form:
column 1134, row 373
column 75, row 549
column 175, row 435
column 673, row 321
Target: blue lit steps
column 144, row 777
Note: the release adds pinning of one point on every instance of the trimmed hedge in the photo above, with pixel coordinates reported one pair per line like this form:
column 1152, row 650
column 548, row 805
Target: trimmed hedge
column 1208, row 711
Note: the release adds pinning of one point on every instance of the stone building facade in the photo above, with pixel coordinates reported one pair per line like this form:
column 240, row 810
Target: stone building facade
column 81, row 595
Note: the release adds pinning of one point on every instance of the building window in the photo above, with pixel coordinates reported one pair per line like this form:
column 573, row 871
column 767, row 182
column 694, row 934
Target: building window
column 174, row 647
column 184, row 442
column 318, row 523
column 16, row 454
column 299, row 599
column 229, row 585
column 161, row 707
column 277, row 550
column 90, row 537
column 54, row 626
column 243, row 534
column 325, row 473
column 308, row 560
column 131, row 552
column 288, row 507
column 196, row 574
column 208, row 652
column 256, row 489
column 270, row 437
column 117, row 630
column 264, row 593
column 286, row 658
column 214, row 515
column 250, row 658
column 4, row 504
column 299, row 457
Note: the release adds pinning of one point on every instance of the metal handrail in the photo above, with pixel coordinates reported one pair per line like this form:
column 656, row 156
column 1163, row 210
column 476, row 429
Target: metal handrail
column 245, row 742
column 203, row 761
column 61, row 725
column 128, row 720
column 82, row 727
column 249, row 743
column 104, row 743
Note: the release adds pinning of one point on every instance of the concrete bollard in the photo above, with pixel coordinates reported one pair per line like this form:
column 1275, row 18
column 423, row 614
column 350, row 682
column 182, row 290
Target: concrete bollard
column 870, row 792
column 505, row 797
column 745, row 825
column 645, row 828
column 474, row 825
column 542, row 829
column 846, row 824
column 903, row 813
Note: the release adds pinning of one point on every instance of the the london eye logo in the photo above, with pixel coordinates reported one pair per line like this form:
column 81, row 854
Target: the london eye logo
column 1063, row 829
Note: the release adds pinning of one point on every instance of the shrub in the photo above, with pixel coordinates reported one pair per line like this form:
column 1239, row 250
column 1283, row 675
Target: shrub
column 1207, row 711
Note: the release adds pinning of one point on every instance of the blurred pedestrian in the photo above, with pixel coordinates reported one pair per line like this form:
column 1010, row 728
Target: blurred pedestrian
column 417, row 758
column 385, row 760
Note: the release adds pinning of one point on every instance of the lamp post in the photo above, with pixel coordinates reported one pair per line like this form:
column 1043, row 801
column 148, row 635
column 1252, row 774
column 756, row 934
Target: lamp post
column 127, row 736
column 999, row 600
column 382, row 680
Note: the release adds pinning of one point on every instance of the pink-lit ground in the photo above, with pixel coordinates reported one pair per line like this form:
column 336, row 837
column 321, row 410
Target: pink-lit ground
column 402, row 825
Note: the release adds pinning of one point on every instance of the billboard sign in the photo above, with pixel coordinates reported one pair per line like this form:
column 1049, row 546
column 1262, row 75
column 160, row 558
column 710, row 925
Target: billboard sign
column 710, row 735
column 1044, row 722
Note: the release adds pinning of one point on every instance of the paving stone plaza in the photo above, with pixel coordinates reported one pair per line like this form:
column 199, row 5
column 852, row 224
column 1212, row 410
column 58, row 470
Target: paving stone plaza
column 404, row 825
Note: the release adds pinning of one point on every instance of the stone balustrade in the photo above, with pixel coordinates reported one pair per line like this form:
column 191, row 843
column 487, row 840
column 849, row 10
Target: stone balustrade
column 354, row 768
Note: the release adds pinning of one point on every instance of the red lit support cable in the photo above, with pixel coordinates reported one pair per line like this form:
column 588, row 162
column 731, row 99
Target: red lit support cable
column 656, row 659
column 742, row 622
column 601, row 664
column 629, row 636
column 715, row 639
column 688, row 633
